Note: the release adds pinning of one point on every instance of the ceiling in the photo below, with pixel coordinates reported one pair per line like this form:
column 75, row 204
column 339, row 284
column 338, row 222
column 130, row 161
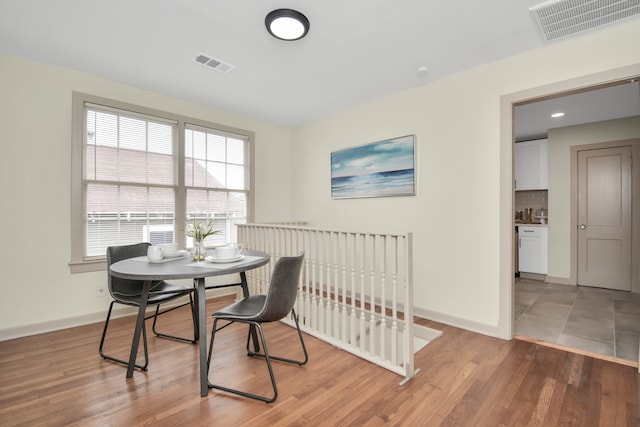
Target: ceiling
column 356, row 50
column 532, row 120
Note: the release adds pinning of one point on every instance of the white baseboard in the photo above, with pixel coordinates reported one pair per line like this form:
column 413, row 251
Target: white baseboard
column 560, row 280
column 87, row 319
column 458, row 322
column 533, row 276
column 122, row 311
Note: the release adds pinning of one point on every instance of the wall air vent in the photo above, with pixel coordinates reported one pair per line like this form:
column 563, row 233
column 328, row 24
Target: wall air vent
column 558, row 19
column 216, row 64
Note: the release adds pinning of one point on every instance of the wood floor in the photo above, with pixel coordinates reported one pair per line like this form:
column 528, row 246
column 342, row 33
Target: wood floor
column 466, row 379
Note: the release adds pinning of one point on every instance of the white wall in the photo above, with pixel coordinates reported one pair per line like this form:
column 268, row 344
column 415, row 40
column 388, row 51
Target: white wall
column 38, row 291
column 560, row 142
column 460, row 217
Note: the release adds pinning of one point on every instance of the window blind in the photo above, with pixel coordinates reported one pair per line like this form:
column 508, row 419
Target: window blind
column 129, row 179
column 140, row 174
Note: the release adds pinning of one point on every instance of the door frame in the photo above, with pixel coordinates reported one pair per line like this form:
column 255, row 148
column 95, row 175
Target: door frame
column 635, row 205
column 507, row 193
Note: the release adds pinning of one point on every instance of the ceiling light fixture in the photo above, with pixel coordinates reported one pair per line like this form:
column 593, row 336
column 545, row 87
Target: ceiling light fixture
column 556, row 115
column 287, row 24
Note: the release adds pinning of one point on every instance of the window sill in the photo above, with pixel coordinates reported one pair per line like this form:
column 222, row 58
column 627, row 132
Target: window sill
column 87, row 266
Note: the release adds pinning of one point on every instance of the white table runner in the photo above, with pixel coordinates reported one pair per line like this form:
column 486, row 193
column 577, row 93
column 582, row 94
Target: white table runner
column 223, row 265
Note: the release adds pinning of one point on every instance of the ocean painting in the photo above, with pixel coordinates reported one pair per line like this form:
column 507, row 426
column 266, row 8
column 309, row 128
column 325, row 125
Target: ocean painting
column 385, row 168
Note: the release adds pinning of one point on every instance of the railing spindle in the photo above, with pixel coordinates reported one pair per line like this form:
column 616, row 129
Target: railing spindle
column 353, row 287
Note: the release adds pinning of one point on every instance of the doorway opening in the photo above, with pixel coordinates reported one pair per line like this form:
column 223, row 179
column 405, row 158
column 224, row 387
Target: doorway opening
column 509, row 103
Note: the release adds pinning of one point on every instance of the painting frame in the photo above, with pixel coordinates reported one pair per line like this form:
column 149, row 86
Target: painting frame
column 385, row 168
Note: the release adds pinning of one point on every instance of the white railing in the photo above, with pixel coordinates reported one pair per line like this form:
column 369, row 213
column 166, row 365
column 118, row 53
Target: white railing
column 355, row 289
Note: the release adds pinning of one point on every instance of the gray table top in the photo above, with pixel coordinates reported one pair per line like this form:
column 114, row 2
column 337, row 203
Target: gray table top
column 183, row 268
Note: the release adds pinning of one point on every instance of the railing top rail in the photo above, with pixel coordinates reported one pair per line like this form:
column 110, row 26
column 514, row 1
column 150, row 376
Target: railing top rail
column 317, row 229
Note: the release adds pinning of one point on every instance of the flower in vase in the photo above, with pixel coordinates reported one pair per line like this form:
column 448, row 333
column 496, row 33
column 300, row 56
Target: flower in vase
column 199, row 231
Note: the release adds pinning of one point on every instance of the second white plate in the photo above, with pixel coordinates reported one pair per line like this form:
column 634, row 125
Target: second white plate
column 176, row 254
column 223, row 260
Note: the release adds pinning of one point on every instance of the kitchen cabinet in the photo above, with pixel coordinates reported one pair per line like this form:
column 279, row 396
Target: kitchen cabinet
column 532, row 165
column 532, row 249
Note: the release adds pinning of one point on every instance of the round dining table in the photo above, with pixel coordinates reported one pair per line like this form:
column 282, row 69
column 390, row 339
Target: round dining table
column 142, row 269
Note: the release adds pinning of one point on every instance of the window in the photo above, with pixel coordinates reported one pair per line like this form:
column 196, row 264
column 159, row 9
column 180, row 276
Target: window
column 140, row 175
column 215, row 177
column 129, row 178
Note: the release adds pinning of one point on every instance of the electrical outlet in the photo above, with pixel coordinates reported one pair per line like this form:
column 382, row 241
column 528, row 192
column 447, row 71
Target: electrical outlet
column 101, row 292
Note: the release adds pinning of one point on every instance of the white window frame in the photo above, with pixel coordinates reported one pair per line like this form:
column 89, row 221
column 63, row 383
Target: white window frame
column 78, row 263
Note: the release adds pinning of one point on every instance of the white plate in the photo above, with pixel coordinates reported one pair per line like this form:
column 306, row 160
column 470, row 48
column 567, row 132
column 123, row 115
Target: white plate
column 223, row 260
column 176, row 254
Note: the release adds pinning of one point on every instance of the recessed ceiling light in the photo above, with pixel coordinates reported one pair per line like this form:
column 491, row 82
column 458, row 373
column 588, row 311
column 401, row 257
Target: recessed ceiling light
column 287, row 24
column 556, row 115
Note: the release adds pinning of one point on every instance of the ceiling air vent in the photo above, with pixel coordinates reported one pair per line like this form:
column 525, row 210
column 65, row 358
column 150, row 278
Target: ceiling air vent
column 558, row 19
column 216, row 64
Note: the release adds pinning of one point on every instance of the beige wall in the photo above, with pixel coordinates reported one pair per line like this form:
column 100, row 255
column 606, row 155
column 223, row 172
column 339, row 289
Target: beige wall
column 461, row 218
column 462, row 215
column 38, row 291
column 560, row 142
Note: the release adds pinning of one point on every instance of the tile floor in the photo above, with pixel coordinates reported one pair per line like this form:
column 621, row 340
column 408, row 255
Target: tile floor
column 597, row 320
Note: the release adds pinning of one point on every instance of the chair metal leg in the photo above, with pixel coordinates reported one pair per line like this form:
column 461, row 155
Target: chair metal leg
column 114, row 359
column 283, row 359
column 266, row 357
column 173, row 337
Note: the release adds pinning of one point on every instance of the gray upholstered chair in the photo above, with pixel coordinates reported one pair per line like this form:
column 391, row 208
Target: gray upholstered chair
column 129, row 292
column 258, row 309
